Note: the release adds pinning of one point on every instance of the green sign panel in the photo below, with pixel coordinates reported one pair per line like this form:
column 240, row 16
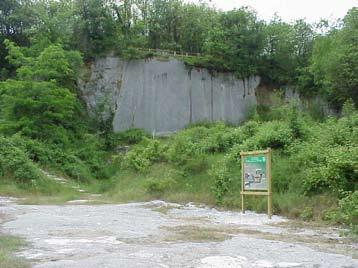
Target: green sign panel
column 255, row 159
column 255, row 177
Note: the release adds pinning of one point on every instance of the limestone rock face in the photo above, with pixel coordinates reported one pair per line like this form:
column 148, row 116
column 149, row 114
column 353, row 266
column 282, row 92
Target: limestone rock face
column 164, row 96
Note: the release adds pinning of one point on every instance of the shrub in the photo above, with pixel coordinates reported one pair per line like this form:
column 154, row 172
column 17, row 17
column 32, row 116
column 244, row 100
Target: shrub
column 144, row 154
column 274, row 134
column 193, row 142
column 37, row 151
column 346, row 213
column 332, row 215
column 295, row 123
column 222, row 181
column 250, row 128
column 159, row 186
column 90, row 155
column 336, row 171
column 214, row 139
column 307, row 214
column 15, row 163
column 348, row 108
column 186, row 145
column 77, row 171
column 85, row 163
column 133, row 53
column 221, row 138
column 131, row 136
column 349, row 209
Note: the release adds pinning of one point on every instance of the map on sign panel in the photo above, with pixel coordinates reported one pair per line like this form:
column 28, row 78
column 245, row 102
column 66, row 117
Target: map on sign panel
column 255, row 176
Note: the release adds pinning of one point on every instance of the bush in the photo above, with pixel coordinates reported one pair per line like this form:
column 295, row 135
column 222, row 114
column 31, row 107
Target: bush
column 336, row 170
column 37, row 151
column 250, row 128
column 349, row 208
column 346, row 213
column 348, row 108
column 307, row 214
column 294, row 122
column 222, row 181
column 221, row 138
column 274, row 134
column 15, row 163
column 143, row 155
column 133, row 53
column 333, row 216
column 85, row 162
column 131, row 136
column 186, row 145
column 193, row 142
column 159, row 186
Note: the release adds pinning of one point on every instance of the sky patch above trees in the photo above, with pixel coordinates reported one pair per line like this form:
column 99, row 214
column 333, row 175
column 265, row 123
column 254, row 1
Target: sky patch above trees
column 290, row 10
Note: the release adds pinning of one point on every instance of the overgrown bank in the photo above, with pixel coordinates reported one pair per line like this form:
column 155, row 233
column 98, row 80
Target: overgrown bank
column 315, row 165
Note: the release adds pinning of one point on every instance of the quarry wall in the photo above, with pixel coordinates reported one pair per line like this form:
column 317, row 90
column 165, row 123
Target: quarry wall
column 163, row 96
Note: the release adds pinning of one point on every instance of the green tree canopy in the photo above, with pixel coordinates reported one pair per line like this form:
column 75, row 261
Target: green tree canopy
column 38, row 104
column 335, row 61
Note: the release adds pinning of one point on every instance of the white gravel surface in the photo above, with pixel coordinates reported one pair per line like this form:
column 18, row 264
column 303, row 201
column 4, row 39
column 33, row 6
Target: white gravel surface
column 146, row 235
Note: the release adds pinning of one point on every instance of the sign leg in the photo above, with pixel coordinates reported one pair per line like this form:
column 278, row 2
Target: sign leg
column 242, row 204
column 269, row 205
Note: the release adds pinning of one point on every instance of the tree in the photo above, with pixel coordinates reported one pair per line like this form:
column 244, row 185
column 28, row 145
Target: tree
column 303, row 39
column 38, row 105
column 279, row 53
column 16, row 18
column 164, row 23
column 52, row 64
column 55, row 24
column 40, row 110
column 95, row 32
column 303, row 42
column 335, row 61
column 238, row 38
column 196, row 22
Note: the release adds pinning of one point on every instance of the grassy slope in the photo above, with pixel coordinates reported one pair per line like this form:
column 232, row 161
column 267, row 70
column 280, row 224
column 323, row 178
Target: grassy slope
column 309, row 173
column 44, row 192
column 175, row 171
column 131, row 186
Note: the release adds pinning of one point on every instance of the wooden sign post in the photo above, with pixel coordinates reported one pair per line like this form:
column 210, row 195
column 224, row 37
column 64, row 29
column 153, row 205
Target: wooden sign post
column 256, row 176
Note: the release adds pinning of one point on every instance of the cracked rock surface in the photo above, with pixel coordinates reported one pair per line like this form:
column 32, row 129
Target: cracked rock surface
column 160, row 234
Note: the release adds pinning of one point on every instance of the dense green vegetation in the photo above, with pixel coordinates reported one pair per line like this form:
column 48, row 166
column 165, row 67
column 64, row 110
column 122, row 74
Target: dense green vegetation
column 314, row 165
column 44, row 126
column 316, row 58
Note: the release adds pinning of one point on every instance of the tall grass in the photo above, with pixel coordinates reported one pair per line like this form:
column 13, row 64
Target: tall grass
column 9, row 244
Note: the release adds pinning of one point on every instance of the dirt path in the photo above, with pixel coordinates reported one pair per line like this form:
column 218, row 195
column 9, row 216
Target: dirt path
column 158, row 234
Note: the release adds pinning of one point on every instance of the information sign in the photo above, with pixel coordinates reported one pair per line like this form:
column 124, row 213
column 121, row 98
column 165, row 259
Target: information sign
column 256, row 176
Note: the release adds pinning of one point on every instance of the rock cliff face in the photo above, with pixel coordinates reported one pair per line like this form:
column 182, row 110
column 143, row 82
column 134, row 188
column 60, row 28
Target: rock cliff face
column 164, row 96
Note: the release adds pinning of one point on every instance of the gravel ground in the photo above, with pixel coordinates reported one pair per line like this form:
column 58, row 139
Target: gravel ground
column 160, row 234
